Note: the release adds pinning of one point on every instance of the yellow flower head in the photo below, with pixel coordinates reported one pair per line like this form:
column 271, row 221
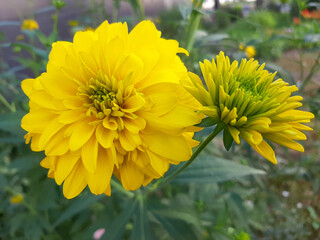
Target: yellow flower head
column 111, row 102
column 241, row 46
column 250, row 51
column 250, row 104
column 16, row 199
column 73, row 23
column 29, row 24
column 20, row 37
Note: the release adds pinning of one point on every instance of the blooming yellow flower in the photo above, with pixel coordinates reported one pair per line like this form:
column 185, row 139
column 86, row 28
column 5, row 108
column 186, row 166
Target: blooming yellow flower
column 20, row 37
column 111, row 102
column 16, row 199
column 73, row 23
column 29, row 24
column 248, row 102
column 89, row 29
column 250, row 51
column 241, row 46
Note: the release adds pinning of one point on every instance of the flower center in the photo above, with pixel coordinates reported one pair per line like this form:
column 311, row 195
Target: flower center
column 102, row 98
column 248, row 84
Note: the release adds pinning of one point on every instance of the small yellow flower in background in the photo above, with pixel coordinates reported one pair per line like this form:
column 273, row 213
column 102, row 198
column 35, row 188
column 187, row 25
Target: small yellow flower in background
column 16, row 199
column 241, row 46
column 250, row 51
column 157, row 20
column 20, row 37
column 73, row 23
column 109, row 103
column 89, row 29
column 250, row 104
column 29, row 24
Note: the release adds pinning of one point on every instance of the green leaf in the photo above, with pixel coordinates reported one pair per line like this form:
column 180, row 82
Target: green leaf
column 42, row 53
column 116, row 229
column 177, row 229
column 76, row 207
column 207, row 122
column 11, row 139
column 26, row 162
column 141, row 228
column 10, row 122
column 209, row 169
column 179, row 214
column 227, row 139
column 185, row 11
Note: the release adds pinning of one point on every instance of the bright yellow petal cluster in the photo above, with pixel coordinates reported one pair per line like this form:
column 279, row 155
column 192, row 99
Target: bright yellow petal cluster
column 250, row 104
column 109, row 103
column 250, row 51
column 16, row 199
column 29, row 24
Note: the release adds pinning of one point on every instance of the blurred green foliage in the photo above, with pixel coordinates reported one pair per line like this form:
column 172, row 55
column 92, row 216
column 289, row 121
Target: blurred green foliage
column 221, row 196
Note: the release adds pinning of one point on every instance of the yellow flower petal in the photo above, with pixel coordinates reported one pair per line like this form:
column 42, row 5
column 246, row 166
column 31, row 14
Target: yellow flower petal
column 131, row 176
column 76, row 181
column 235, row 134
column 105, row 136
column 81, row 134
column 89, row 153
column 176, row 148
column 265, row 150
column 284, row 141
column 64, row 165
column 133, row 103
column 159, row 164
column 104, row 171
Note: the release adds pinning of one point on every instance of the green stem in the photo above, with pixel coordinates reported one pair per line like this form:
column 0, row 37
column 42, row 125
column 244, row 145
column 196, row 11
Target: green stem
column 301, row 66
column 23, row 202
column 6, row 103
column 311, row 73
column 141, row 10
column 118, row 186
column 162, row 182
column 193, row 27
column 55, row 22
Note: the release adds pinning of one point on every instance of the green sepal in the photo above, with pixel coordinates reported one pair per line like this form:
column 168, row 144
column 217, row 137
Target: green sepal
column 207, row 122
column 227, row 139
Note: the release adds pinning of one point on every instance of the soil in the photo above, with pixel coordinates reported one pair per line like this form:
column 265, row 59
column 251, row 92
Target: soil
column 290, row 62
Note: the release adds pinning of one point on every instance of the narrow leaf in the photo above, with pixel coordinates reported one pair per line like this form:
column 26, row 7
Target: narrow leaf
column 207, row 122
column 115, row 230
column 141, row 228
column 10, row 122
column 209, row 169
column 227, row 139
column 76, row 207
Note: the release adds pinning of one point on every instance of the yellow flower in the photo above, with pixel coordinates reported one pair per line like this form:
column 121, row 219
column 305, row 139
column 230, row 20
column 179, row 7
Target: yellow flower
column 20, row 37
column 16, row 199
column 250, row 52
column 248, row 102
column 29, row 24
column 73, row 23
column 89, row 29
column 111, row 102
column 241, row 46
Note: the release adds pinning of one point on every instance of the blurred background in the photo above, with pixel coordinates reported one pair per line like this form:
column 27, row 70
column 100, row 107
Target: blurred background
column 235, row 201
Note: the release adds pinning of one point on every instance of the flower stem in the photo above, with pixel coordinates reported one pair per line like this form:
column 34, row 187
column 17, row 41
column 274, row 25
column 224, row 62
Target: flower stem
column 55, row 22
column 162, row 182
column 311, row 73
column 118, row 186
column 194, row 25
column 7, row 104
